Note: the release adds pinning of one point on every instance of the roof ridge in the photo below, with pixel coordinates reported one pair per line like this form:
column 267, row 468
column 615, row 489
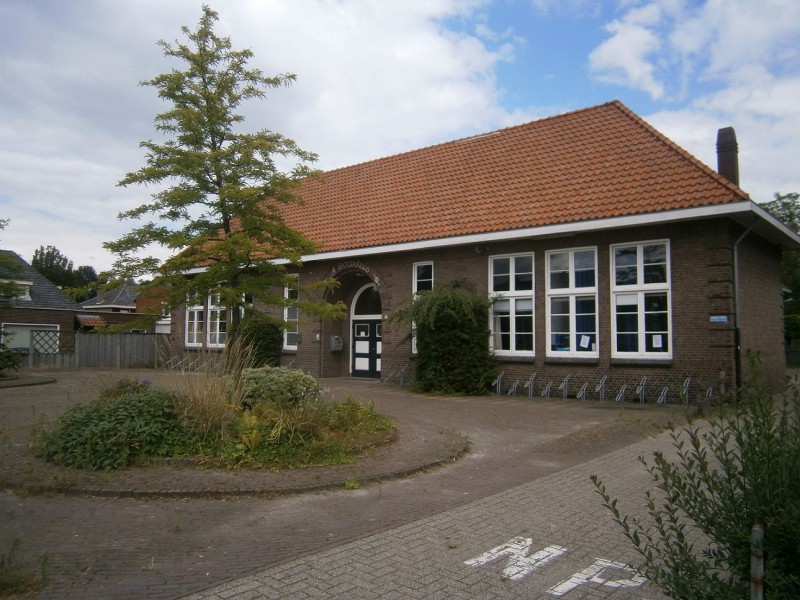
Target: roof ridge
column 682, row 152
column 474, row 136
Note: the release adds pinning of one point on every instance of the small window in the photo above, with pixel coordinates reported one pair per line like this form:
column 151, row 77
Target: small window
column 291, row 318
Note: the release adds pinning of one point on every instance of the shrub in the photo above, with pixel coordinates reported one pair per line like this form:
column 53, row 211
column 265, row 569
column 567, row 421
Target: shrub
column 452, row 333
column 741, row 469
column 111, row 433
column 265, row 337
column 9, row 359
column 278, row 385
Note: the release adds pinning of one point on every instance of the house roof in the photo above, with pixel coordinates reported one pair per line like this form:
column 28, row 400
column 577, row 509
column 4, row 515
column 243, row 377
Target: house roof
column 599, row 163
column 121, row 297
column 43, row 292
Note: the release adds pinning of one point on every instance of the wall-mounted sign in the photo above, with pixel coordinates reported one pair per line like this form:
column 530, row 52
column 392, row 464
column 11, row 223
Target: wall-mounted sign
column 354, row 265
column 719, row 318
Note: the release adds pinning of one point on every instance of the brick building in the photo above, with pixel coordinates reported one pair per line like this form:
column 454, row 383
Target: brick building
column 608, row 250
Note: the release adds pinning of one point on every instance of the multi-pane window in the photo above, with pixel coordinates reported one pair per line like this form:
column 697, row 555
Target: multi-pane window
column 217, row 322
column 572, row 302
column 195, row 323
column 511, row 288
column 641, row 299
column 291, row 318
column 422, row 282
column 423, row 277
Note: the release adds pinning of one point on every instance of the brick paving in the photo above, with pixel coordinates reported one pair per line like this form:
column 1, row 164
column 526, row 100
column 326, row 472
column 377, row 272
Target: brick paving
column 167, row 532
column 434, row 557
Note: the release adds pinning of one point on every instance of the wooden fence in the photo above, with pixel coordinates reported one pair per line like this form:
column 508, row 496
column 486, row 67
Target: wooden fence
column 109, row 350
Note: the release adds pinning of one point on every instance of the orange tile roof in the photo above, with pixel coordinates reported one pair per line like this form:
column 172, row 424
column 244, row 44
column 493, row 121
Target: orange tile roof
column 589, row 164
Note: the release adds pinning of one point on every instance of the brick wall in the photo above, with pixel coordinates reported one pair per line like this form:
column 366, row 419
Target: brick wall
column 702, row 326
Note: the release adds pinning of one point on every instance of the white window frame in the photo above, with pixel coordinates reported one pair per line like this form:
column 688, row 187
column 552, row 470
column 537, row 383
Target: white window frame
column 513, row 296
column 638, row 292
column 193, row 337
column 217, row 325
column 587, row 346
column 291, row 315
column 415, row 280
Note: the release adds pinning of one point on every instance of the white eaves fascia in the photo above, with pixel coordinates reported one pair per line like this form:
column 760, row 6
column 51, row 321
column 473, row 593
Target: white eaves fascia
column 686, row 214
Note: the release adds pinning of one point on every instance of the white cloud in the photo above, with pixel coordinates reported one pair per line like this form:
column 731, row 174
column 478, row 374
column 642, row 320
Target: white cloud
column 624, row 58
column 374, row 78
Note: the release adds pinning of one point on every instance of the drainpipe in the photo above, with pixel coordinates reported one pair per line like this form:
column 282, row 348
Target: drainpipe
column 736, row 316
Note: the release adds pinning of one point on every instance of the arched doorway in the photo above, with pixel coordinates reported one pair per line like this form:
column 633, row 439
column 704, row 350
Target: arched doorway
column 365, row 331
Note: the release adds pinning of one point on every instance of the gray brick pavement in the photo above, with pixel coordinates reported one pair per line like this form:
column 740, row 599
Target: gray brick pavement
column 428, row 558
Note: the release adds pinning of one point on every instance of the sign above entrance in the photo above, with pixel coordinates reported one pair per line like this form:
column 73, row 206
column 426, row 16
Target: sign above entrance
column 354, row 265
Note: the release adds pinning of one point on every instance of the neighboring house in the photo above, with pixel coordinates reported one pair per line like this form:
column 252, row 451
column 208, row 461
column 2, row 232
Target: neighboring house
column 39, row 306
column 119, row 300
column 609, row 252
column 127, row 300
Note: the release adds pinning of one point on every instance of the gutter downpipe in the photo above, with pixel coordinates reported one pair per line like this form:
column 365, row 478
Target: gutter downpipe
column 737, row 342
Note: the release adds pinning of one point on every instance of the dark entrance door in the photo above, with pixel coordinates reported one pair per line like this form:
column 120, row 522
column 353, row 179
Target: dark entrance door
column 366, row 348
column 365, row 333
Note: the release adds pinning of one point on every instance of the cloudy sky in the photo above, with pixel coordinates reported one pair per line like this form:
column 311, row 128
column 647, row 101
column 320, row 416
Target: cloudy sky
column 378, row 77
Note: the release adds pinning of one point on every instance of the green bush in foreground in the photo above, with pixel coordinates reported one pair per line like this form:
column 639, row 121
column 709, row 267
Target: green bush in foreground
column 740, row 469
column 123, row 428
column 114, row 432
column 281, row 386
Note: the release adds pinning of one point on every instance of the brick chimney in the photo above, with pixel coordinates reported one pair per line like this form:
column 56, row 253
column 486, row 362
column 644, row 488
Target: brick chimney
column 728, row 155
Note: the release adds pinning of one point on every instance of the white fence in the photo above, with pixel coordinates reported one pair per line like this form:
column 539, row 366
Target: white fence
column 110, row 350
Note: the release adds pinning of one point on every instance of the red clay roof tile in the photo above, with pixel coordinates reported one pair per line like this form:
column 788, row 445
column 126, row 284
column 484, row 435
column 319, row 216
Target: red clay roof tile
column 589, row 164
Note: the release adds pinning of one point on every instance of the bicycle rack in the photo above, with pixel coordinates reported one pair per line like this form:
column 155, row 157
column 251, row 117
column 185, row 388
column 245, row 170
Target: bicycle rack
column 512, row 391
column 687, row 385
column 530, row 385
column 498, row 383
column 621, row 393
column 601, row 387
column 564, row 387
column 641, row 390
column 548, row 389
column 662, row 399
column 582, row 392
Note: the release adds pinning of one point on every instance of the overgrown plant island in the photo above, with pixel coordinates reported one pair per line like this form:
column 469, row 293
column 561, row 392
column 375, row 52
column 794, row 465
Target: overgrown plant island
column 738, row 470
column 268, row 417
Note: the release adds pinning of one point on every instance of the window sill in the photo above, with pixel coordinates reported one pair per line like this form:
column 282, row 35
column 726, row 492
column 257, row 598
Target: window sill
column 514, row 359
column 641, row 362
column 571, row 360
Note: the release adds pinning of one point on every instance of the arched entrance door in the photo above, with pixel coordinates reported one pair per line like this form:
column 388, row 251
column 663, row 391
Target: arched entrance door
column 365, row 331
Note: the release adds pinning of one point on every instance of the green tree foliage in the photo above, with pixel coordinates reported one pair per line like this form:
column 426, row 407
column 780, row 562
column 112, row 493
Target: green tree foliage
column 79, row 284
column 739, row 469
column 220, row 193
column 8, row 289
column 264, row 336
column 452, row 337
column 786, row 208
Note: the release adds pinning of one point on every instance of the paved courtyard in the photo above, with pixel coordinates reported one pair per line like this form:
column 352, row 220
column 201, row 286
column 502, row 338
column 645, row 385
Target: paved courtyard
column 513, row 516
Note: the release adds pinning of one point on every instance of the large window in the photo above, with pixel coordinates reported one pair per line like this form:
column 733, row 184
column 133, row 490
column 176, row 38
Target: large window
column 572, row 302
column 511, row 290
column 217, row 322
column 291, row 318
column 641, row 300
column 195, row 323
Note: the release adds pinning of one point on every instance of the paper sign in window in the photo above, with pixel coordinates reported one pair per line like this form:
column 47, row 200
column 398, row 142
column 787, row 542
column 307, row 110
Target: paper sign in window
column 657, row 342
column 585, row 341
